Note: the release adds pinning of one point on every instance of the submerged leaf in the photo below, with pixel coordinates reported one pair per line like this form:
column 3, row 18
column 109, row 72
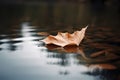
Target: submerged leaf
column 96, row 54
column 102, row 66
column 43, row 33
column 64, row 39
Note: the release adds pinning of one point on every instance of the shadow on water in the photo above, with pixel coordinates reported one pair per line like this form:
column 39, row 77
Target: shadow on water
column 96, row 58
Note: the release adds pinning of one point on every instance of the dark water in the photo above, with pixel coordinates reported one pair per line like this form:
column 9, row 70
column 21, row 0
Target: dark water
column 23, row 57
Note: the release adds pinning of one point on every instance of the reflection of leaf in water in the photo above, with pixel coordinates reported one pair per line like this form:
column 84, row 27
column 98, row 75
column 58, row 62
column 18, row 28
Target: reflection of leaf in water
column 95, row 57
column 68, row 49
column 64, row 39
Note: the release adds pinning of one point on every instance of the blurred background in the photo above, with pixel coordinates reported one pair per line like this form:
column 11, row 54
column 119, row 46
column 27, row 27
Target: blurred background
column 23, row 57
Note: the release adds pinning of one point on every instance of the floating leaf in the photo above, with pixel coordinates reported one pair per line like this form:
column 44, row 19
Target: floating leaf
column 64, row 39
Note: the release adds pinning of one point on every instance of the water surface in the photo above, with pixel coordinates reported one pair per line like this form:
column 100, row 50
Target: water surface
column 23, row 57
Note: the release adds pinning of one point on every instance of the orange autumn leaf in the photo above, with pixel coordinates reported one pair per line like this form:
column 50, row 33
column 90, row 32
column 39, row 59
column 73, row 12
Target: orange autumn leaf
column 64, row 39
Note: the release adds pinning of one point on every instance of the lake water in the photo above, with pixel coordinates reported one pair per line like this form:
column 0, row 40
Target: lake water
column 24, row 57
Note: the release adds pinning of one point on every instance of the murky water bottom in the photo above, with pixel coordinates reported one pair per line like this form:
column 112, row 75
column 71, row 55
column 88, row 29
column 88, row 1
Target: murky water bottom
column 23, row 57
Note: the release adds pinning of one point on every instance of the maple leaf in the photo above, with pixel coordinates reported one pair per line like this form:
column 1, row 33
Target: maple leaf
column 64, row 39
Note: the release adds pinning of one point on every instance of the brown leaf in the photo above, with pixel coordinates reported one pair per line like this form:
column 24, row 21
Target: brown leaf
column 64, row 39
